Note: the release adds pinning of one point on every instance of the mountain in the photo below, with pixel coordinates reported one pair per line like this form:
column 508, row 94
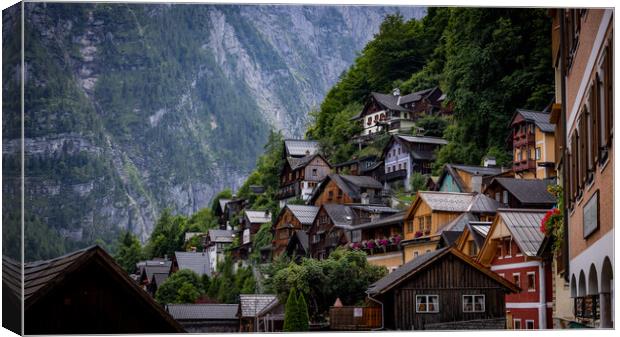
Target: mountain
column 133, row 108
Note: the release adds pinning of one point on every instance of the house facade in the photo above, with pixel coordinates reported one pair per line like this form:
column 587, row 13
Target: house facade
column 292, row 218
column 404, row 155
column 533, row 144
column 511, row 250
column 442, row 290
column 348, row 189
column 521, row 193
column 385, row 233
column 582, row 50
column 300, row 176
column 215, row 245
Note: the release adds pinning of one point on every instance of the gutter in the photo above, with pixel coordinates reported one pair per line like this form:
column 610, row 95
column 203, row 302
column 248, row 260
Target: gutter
column 382, row 313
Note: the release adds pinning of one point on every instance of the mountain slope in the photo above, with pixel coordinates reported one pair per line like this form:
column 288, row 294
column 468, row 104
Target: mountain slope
column 134, row 108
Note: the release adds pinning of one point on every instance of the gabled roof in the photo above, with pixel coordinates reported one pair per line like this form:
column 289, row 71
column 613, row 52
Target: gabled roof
column 341, row 215
column 302, row 237
column 541, row 119
column 223, row 203
column 41, row 277
column 459, row 223
column 477, row 170
column 416, row 96
column 260, row 217
column 423, row 139
column 350, row 185
column 252, row 304
column 156, row 267
column 300, row 147
column 304, row 213
column 524, row 226
column 159, row 278
column 527, row 191
column 374, row 208
column 198, row 262
column 388, row 101
column 479, row 231
column 450, row 237
column 203, row 311
column 421, row 262
column 447, row 201
column 394, row 219
column 481, row 203
column 221, row 235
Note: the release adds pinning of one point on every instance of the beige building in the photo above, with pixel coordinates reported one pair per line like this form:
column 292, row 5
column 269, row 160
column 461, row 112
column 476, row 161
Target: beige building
column 582, row 50
column 533, row 145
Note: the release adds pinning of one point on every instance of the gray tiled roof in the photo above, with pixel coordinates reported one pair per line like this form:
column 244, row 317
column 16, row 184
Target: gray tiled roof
column 483, row 204
column 375, row 208
column 394, row 219
column 362, row 181
column 477, row 170
column 524, row 225
column 447, row 201
column 299, row 162
column 341, row 215
column 198, row 262
column 251, row 304
column 415, row 96
column 459, row 223
column 305, row 214
column 203, row 311
column 352, row 185
column 527, row 191
column 221, row 235
column 300, row 147
column 160, row 278
column 541, row 119
column 258, row 216
column 403, row 271
column 423, row 139
column 161, row 267
column 389, row 101
column 302, row 238
column 223, row 203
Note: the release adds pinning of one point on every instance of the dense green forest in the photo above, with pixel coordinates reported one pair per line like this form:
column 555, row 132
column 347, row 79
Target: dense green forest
column 488, row 61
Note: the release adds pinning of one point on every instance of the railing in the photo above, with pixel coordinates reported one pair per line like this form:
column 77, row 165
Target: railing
column 520, row 141
column 289, row 190
column 354, row 318
column 396, row 175
column 524, row 165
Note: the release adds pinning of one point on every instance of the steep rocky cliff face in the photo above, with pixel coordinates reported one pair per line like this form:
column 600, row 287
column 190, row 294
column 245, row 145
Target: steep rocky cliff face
column 130, row 109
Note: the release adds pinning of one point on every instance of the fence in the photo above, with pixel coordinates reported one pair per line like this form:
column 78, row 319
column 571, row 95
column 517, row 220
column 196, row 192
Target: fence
column 354, row 318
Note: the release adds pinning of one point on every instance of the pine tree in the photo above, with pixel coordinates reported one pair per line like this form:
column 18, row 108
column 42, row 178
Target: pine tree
column 291, row 316
column 302, row 310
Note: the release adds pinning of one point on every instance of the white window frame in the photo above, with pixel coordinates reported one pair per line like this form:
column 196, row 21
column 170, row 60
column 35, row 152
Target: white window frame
column 514, row 324
column 473, row 303
column 529, row 321
column 528, row 278
column 427, row 301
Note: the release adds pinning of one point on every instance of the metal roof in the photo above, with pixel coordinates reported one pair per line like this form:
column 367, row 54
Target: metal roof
column 341, row 215
column 221, row 235
column 483, row 204
column 477, row 170
column 160, row 278
column 541, row 119
column 481, row 228
column 416, row 96
column 162, row 268
column 394, row 219
column 223, row 203
column 258, row 216
column 305, row 214
column 251, row 304
column 424, row 139
column 389, row 101
column 375, row 208
column 447, row 201
column 198, row 262
column 300, row 147
column 528, row 191
column 459, row 223
column 302, row 237
column 203, row 311
column 524, row 226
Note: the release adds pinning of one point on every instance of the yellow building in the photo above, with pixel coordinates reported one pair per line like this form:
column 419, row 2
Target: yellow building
column 533, row 145
column 472, row 238
column 429, row 214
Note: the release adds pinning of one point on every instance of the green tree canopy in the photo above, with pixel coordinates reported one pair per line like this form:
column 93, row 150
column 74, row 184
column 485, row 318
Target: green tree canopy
column 129, row 251
column 184, row 286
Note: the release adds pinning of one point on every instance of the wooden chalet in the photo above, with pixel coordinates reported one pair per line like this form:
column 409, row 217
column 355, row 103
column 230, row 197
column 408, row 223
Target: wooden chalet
column 442, row 290
column 260, row 313
column 300, row 176
column 218, row 240
column 347, row 189
column 437, row 219
column 404, row 155
column 148, row 269
column 468, row 178
column 206, row 318
column 221, row 214
column 248, row 227
column 521, row 193
column 233, row 210
column 337, row 225
column 396, row 113
column 87, row 292
column 357, row 167
column 511, row 249
column 532, row 140
column 292, row 218
column 472, row 238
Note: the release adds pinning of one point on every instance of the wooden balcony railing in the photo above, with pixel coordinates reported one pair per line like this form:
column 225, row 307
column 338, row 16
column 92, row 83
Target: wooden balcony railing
column 354, row 318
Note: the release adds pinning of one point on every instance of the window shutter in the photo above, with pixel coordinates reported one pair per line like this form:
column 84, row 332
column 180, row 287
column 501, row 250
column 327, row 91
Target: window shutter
column 568, row 161
column 574, row 166
column 609, row 94
column 583, row 152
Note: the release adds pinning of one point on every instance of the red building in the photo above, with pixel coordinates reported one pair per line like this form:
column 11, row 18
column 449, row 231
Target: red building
column 511, row 249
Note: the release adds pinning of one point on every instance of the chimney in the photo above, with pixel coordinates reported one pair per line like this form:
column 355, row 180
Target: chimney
column 396, row 92
column 489, row 162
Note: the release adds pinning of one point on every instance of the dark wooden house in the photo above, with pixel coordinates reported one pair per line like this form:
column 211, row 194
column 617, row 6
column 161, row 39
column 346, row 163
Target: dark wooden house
column 87, row 292
column 347, row 189
column 206, row 318
column 521, row 193
column 356, row 167
column 292, row 218
column 300, row 176
column 298, row 245
column 443, row 289
column 221, row 214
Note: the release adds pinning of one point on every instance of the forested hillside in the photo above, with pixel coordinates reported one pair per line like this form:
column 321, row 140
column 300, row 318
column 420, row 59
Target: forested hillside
column 488, row 61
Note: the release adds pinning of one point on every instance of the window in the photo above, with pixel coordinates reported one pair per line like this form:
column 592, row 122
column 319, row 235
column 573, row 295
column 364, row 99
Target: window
column 516, row 278
column 330, row 195
column 410, row 226
column 529, row 324
column 497, row 196
column 427, row 227
column 356, row 236
column 473, row 303
column 538, row 151
column 314, row 172
column 399, row 150
column 531, row 281
column 369, row 121
column 427, row 303
column 473, row 249
column 339, row 193
column 517, row 324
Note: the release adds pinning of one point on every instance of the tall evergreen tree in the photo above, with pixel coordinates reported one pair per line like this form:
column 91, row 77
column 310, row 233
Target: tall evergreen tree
column 291, row 312
column 302, row 310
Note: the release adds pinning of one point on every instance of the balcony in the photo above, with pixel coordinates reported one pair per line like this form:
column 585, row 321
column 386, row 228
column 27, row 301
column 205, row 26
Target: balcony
column 524, row 139
column 287, row 191
column 524, row 165
column 396, row 175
